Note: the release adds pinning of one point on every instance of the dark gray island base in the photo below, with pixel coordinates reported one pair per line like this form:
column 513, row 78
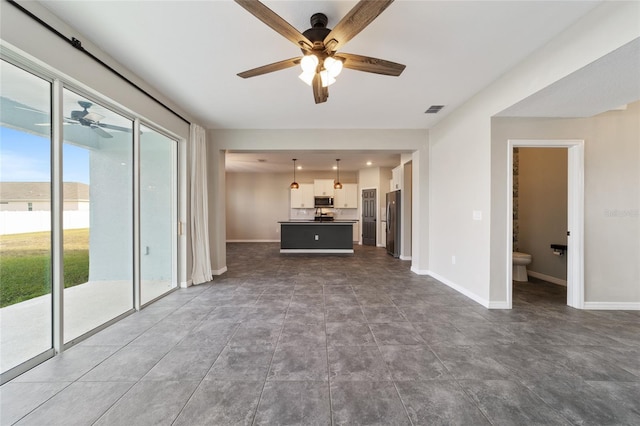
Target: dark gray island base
column 316, row 237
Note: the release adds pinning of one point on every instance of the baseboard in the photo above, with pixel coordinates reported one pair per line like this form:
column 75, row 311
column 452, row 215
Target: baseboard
column 219, row 271
column 548, row 278
column 471, row 295
column 253, row 241
column 405, row 257
column 612, row 306
column 185, row 284
column 498, row 305
column 419, row 271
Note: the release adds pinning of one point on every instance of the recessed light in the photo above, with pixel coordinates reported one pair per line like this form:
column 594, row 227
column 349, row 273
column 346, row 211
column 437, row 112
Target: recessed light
column 369, row 163
column 335, row 167
column 299, row 167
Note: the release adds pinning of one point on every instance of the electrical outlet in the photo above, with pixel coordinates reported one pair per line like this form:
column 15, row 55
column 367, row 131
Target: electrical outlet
column 316, row 238
column 453, row 260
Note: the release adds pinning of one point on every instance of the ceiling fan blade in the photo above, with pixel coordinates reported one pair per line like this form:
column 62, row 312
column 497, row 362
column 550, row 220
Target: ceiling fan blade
column 355, row 21
column 274, row 21
column 114, row 127
column 32, row 110
column 320, row 94
column 101, row 132
column 369, row 64
column 276, row 66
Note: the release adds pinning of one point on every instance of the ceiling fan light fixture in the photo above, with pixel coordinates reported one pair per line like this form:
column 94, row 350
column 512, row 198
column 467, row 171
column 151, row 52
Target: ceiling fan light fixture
column 333, row 66
column 327, row 79
column 307, row 77
column 309, row 63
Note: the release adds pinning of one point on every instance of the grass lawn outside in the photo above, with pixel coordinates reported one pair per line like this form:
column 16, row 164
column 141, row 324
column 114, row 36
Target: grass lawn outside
column 25, row 264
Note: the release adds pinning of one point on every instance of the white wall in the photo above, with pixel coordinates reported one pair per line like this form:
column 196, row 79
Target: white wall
column 465, row 167
column 612, row 195
column 406, row 211
column 459, row 180
column 420, row 210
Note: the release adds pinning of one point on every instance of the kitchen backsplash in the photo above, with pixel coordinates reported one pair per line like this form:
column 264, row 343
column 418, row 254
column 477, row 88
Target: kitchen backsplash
column 309, row 214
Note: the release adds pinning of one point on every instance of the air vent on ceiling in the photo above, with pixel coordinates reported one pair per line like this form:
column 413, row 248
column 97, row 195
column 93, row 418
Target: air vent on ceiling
column 434, row 109
column 261, row 160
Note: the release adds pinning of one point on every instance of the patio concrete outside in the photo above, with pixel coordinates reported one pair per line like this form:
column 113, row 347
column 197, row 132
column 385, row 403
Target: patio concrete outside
column 25, row 327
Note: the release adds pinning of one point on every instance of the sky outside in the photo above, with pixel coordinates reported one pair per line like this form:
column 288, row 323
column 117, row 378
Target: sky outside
column 27, row 158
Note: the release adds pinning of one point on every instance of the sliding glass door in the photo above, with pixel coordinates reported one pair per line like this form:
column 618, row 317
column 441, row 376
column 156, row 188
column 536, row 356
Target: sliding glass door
column 158, row 218
column 97, row 169
column 25, row 216
column 88, row 233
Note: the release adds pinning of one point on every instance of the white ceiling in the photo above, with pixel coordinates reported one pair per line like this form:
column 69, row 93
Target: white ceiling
column 608, row 83
column 191, row 52
column 278, row 161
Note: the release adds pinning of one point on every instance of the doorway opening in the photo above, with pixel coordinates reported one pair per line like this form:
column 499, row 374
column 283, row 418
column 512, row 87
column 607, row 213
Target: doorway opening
column 575, row 216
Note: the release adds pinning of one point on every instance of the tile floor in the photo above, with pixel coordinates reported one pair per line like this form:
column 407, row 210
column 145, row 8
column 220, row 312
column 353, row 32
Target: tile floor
column 340, row 340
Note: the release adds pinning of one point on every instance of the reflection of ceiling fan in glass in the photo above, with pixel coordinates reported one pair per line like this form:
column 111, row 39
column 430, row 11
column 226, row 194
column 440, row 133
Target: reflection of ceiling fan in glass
column 88, row 119
column 92, row 120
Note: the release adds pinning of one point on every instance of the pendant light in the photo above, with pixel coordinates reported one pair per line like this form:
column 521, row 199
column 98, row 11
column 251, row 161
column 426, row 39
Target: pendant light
column 294, row 184
column 337, row 184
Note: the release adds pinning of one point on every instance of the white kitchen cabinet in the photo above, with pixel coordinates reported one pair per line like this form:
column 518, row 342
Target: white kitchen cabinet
column 323, row 187
column 302, row 198
column 397, row 178
column 347, row 197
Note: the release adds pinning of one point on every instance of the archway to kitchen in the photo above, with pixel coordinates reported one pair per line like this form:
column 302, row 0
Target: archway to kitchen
column 409, row 145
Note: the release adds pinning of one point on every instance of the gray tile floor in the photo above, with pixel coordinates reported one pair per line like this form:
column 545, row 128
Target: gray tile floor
column 340, row 340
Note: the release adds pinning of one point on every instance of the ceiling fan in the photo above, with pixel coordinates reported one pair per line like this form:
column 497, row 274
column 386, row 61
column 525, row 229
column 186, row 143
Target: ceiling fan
column 321, row 62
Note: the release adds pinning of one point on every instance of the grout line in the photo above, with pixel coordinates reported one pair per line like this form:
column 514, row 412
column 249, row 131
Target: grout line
column 255, row 412
column 326, row 346
column 209, row 369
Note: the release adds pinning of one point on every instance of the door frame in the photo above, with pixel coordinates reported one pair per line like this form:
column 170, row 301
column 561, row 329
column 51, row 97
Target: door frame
column 575, row 214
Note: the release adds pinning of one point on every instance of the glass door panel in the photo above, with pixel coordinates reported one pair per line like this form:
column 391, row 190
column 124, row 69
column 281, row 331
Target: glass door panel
column 157, row 214
column 25, row 216
column 98, row 215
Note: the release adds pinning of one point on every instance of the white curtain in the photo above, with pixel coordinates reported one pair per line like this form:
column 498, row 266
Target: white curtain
column 201, row 272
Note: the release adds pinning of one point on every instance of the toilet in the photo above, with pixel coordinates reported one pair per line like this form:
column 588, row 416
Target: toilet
column 520, row 262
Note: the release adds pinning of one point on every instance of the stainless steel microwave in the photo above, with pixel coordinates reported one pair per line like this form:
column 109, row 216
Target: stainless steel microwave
column 323, row 202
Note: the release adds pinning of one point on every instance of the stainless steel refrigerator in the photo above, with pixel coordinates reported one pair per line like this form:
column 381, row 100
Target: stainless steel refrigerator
column 393, row 223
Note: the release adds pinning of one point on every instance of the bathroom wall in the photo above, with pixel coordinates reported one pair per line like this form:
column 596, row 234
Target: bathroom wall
column 542, row 209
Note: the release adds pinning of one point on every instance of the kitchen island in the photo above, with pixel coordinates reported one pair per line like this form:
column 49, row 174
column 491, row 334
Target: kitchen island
column 305, row 236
